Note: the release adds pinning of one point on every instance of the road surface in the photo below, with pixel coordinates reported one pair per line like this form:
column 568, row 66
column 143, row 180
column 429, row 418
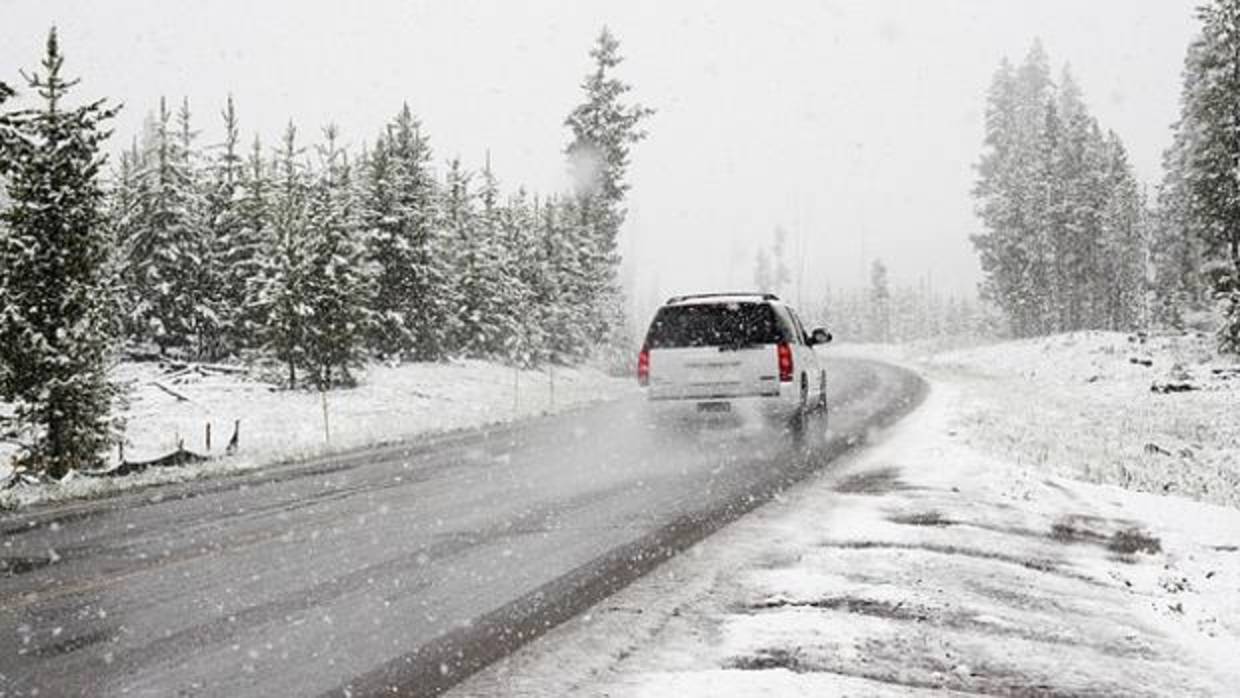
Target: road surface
column 391, row 570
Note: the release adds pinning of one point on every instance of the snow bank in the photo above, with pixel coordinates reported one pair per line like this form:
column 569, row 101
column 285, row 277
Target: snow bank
column 391, row 402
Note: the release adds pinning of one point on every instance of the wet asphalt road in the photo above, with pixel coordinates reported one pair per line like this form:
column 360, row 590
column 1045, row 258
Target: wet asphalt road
column 393, row 570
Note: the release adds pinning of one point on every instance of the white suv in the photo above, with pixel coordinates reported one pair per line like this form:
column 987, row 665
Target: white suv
column 733, row 352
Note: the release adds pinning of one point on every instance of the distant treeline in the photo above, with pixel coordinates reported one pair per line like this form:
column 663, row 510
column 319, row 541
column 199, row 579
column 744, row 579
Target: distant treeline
column 902, row 312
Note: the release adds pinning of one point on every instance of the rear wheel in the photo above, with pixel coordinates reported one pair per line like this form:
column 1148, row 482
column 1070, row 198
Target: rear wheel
column 798, row 423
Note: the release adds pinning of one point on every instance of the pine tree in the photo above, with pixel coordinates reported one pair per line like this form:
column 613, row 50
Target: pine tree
column 763, row 273
column 1002, row 190
column 463, row 294
column 1208, row 127
column 1064, row 246
column 164, row 248
column 604, row 129
column 1175, row 248
column 234, row 247
column 471, row 225
column 499, row 296
column 880, row 302
column 400, row 210
column 1123, row 245
column 523, row 345
column 563, row 322
column 202, row 266
column 58, row 319
column 249, row 261
column 335, row 286
column 281, row 297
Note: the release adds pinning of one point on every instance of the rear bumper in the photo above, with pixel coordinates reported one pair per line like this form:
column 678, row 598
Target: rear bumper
column 773, row 406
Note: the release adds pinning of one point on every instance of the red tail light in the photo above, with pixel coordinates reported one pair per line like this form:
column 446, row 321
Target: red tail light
column 785, row 362
column 643, row 367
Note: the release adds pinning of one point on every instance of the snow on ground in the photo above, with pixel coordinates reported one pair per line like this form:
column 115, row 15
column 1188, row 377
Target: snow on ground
column 391, row 403
column 1082, row 406
column 961, row 555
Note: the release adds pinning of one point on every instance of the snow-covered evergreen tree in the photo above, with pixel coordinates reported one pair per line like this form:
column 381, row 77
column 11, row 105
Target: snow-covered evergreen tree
column 335, row 286
column 500, row 297
column 234, row 247
column 245, row 277
column 1002, row 182
column 604, row 128
column 880, row 302
column 410, row 301
column 456, row 225
column 281, row 297
column 1065, row 244
column 160, row 273
column 58, row 320
column 1175, row 247
column 203, row 266
column 1124, row 245
column 470, row 223
column 1209, row 122
column 523, row 344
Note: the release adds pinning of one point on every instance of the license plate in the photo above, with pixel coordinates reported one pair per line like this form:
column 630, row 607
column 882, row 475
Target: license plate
column 714, row 407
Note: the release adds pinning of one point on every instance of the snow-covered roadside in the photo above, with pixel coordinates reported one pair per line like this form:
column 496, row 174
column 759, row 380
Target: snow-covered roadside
column 932, row 562
column 391, row 403
column 1082, row 405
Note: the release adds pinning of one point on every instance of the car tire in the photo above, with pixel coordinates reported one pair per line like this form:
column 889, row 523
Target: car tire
column 798, row 423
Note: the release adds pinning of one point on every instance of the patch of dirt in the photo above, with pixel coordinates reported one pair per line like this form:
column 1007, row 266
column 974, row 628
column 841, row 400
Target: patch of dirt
column 763, row 659
column 924, row 672
column 923, row 518
column 1133, row 540
column 881, row 481
column 961, row 619
column 853, row 604
column 1037, row 564
column 1072, row 530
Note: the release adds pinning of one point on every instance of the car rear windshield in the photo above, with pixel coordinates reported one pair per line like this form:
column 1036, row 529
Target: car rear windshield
column 714, row 325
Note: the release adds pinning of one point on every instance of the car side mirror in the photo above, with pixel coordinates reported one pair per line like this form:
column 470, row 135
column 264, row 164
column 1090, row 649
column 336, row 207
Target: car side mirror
column 819, row 336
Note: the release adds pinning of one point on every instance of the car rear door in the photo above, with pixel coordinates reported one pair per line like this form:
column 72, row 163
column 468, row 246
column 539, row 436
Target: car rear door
column 806, row 357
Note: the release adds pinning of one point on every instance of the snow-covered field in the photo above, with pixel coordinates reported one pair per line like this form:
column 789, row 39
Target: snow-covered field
column 970, row 551
column 391, row 402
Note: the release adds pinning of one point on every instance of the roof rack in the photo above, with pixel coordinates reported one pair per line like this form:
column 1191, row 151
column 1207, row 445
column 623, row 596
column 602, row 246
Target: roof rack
column 763, row 296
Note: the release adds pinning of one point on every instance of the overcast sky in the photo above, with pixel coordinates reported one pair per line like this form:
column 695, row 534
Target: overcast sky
column 855, row 125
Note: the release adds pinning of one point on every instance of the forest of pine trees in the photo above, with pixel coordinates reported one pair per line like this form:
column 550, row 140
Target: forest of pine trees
column 297, row 252
column 1066, row 227
column 319, row 258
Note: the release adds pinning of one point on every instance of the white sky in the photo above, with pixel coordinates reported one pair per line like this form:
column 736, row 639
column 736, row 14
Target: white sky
column 853, row 124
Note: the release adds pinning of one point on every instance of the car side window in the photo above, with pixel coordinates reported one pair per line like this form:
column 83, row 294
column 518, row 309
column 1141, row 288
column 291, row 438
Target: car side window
column 791, row 329
column 796, row 321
